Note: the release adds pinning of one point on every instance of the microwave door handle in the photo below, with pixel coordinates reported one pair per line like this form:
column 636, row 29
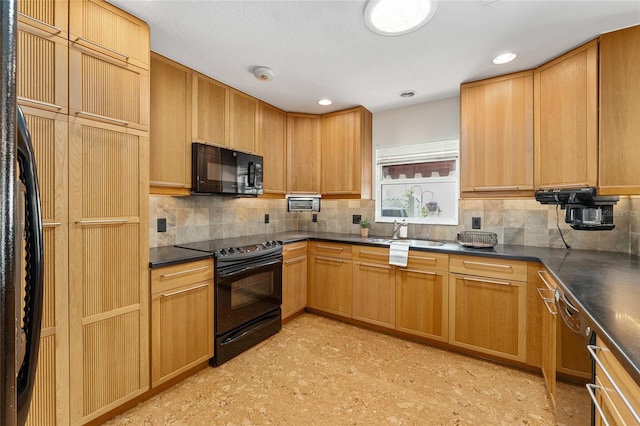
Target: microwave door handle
column 252, row 174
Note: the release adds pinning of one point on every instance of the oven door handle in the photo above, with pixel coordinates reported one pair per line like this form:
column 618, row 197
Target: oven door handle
column 224, row 273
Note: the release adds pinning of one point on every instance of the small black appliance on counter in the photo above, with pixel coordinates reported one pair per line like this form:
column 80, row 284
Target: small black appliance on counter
column 584, row 209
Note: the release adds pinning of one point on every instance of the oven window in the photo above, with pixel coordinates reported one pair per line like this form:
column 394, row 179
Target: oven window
column 251, row 289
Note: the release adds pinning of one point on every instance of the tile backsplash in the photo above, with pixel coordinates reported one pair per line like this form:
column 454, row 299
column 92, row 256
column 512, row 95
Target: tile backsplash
column 517, row 221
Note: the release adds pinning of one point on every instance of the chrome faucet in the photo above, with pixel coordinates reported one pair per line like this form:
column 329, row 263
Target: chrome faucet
column 396, row 229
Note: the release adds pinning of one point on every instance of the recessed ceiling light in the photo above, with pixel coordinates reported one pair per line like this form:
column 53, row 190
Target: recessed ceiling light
column 325, row 102
column 395, row 18
column 504, row 58
column 408, row 94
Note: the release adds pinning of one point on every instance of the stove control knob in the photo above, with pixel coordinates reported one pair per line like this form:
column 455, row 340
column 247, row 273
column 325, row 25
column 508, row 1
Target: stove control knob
column 273, row 243
column 223, row 252
column 268, row 244
column 231, row 250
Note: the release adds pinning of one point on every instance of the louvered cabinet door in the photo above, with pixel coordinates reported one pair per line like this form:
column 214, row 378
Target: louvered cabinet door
column 49, row 135
column 42, row 69
column 109, row 287
column 105, row 89
column 51, row 16
column 102, row 27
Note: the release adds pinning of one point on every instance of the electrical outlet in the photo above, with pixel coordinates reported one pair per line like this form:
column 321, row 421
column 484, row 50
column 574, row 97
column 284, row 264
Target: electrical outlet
column 162, row 225
column 266, row 218
column 476, row 223
column 314, row 217
column 356, row 219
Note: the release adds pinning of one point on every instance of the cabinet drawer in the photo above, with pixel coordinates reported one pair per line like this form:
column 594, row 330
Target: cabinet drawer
column 371, row 254
column 323, row 248
column 428, row 260
column 169, row 277
column 486, row 267
column 292, row 250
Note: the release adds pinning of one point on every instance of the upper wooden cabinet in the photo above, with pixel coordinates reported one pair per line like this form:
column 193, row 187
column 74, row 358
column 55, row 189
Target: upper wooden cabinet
column 566, row 120
column 170, row 133
column 303, row 153
column 619, row 112
column 271, row 144
column 496, row 136
column 346, row 153
column 97, row 25
column 51, row 16
column 210, row 117
column 243, row 112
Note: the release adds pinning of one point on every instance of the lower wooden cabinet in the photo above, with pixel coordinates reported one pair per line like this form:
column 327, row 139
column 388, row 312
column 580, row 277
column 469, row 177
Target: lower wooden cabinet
column 548, row 332
column 294, row 278
column 374, row 293
column 181, row 318
column 330, row 284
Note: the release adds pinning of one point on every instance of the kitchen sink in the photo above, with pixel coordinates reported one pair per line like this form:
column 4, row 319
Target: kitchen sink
column 414, row 243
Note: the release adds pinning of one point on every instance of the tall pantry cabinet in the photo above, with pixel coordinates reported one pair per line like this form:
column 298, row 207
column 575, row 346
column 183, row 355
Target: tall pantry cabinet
column 85, row 89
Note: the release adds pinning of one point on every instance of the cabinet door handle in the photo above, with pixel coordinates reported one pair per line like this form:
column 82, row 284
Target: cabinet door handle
column 486, row 281
column 160, row 183
column 486, row 265
column 54, row 29
column 39, row 103
column 374, row 253
column 330, row 248
column 544, row 280
column 292, row 261
column 416, row 271
column 591, row 388
column 102, row 118
column 373, row 265
column 548, row 301
column 103, row 222
column 188, row 271
column 573, row 185
column 497, row 188
column 592, row 350
column 99, row 46
column 184, row 290
column 328, row 259
column 51, row 224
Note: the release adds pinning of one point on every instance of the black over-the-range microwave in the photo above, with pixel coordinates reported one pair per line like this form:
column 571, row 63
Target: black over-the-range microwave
column 216, row 170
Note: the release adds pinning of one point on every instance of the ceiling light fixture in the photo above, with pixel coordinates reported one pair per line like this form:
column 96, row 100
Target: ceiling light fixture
column 504, row 58
column 264, row 73
column 407, row 93
column 325, row 102
column 395, row 18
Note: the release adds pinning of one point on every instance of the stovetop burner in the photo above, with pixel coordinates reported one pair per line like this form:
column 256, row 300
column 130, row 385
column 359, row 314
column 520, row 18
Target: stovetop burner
column 234, row 247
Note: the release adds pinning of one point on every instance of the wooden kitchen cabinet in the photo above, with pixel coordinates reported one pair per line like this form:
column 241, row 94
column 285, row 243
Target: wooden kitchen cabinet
column 209, row 111
column 181, row 318
column 496, row 136
column 488, row 305
column 108, row 271
column 619, row 111
column 104, row 28
column 303, row 153
column 566, row 120
column 42, row 71
column 243, row 112
column 271, row 144
column 294, row 278
column 170, row 140
column 374, row 286
column 51, row 16
column 49, row 136
column 422, row 295
column 330, row 278
column 548, row 331
column 346, row 153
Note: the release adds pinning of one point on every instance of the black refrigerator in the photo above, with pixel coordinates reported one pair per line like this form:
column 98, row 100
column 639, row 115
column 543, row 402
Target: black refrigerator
column 21, row 248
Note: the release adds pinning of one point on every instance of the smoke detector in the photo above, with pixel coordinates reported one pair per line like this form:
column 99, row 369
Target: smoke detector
column 263, row 73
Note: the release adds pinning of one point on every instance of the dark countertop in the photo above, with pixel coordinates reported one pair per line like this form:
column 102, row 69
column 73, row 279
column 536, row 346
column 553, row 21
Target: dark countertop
column 169, row 255
column 604, row 286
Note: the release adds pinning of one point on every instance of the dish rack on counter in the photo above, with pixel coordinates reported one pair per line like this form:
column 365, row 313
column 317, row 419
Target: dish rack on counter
column 477, row 239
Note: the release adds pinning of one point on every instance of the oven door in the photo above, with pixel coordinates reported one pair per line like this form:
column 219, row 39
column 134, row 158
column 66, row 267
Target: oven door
column 214, row 170
column 246, row 291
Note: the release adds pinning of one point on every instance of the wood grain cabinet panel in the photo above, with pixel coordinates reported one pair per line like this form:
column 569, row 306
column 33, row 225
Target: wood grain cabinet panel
column 42, row 69
column 170, row 131
column 496, row 136
column 619, row 155
column 108, row 271
column 102, row 27
column 294, row 278
column 303, row 153
column 51, row 16
column 566, row 120
column 374, row 290
column 209, row 111
column 243, row 112
column 271, row 144
column 330, row 278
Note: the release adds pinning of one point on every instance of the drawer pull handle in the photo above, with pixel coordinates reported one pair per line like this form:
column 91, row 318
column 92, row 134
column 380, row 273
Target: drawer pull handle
column 374, row 253
column 188, row 271
column 40, row 103
column 544, row 280
column 591, row 388
column 292, row 261
column 55, row 30
column 103, row 222
column 328, row 259
column 184, row 290
column 290, row 249
column 486, row 265
column 102, row 118
column 548, row 301
column 428, row 259
column 592, row 350
column 486, row 281
column 99, row 46
column 373, row 265
column 330, row 248
column 51, row 224
column 416, row 271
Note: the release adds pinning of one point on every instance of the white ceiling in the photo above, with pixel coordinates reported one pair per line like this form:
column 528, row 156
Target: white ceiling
column 321, row 48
